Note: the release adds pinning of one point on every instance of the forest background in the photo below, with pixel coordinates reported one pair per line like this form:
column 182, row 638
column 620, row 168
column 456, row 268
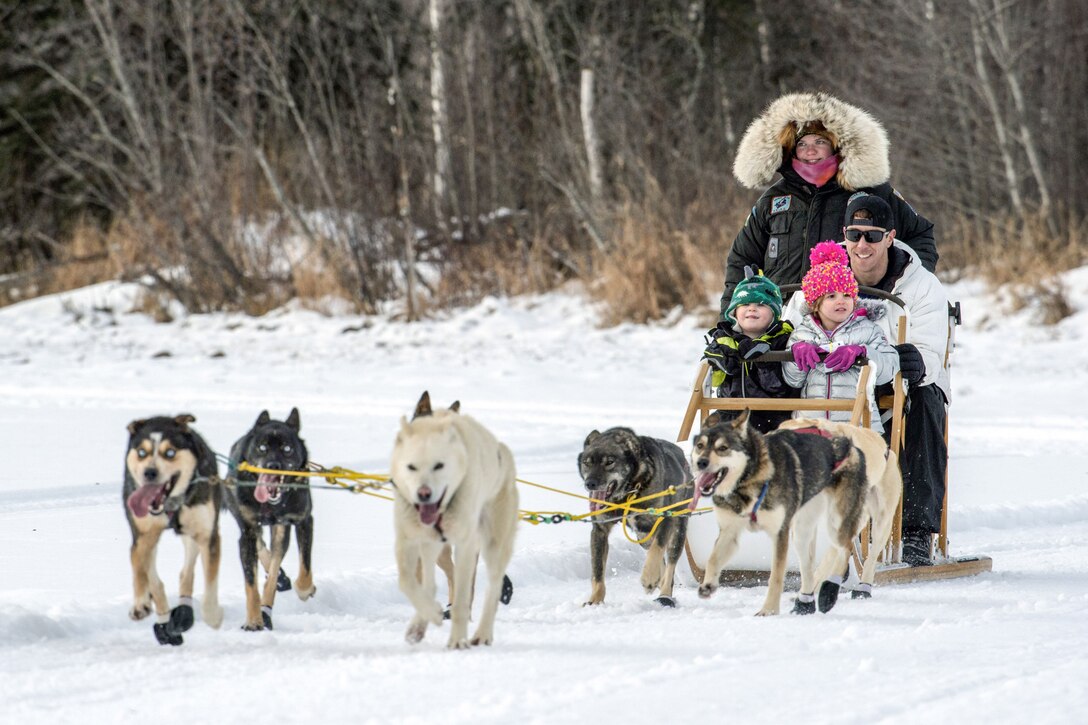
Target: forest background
column 235, row 155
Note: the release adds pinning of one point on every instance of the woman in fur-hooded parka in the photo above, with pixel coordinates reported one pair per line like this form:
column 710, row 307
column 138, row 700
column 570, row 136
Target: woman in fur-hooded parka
column 793, row 215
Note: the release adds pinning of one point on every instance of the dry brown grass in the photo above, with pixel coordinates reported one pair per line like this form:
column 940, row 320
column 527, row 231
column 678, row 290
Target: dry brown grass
column 1022, row 255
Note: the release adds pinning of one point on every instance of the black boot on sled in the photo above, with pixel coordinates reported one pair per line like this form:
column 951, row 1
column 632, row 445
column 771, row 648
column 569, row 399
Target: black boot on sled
column 916, row 548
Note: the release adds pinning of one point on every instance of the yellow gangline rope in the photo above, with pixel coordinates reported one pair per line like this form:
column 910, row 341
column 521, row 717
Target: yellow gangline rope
column 628, row 507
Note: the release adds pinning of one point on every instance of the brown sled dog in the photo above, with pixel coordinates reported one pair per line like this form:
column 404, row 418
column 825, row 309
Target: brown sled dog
column 884, row 486
column 172, row 482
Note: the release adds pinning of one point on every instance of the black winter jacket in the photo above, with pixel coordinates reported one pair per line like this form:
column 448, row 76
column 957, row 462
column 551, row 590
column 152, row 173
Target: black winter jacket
column 736, row 378
column 793, row 216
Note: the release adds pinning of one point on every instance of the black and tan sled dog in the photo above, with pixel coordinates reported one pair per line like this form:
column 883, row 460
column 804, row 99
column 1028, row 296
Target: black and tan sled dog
column 762, row 483
column 618, row 465
column 172, row 482
column 279, row 501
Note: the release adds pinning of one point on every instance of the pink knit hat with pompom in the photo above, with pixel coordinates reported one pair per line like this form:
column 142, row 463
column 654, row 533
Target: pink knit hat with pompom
column 829, row 272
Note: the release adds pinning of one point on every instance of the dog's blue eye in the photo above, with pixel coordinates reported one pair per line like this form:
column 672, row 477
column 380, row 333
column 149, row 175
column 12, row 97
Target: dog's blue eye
column 262, row 448
column 287, row 449
column 439, row 466
column 141, row 454
column 169, row 454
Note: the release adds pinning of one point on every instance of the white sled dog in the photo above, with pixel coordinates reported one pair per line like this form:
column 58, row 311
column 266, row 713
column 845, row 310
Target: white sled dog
column 454, row 484
column 884, row 487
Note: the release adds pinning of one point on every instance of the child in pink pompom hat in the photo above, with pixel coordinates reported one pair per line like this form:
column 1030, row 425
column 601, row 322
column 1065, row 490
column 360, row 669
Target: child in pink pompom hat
column 837, row 323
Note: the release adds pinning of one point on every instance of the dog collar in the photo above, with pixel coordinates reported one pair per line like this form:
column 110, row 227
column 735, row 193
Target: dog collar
column 759, row 501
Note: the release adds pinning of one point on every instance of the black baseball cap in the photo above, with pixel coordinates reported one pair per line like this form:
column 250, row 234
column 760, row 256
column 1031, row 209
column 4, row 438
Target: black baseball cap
column 877, row 207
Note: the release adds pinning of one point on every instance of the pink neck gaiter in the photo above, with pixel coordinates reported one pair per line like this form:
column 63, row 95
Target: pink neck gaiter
column 819, row 173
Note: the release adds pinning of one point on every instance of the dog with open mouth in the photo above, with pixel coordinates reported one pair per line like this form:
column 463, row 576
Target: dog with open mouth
column 618, row 465
column 277, row 500
column 172, row 482
column 454, row 485
column 765, row 483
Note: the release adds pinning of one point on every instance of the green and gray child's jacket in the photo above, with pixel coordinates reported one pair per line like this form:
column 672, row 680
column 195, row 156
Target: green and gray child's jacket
column 733, row 377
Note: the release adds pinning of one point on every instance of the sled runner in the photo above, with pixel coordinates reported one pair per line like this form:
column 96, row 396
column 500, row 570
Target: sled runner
column 892, row 570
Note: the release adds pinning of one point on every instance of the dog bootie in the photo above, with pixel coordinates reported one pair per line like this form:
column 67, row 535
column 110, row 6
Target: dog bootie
column 165, row 636
column 916, row 548
column 507, row 590
column 804, row 604
column 666, row 601
column 283, row 582
column 181, row 618
column 266, row 617
column 829, row 594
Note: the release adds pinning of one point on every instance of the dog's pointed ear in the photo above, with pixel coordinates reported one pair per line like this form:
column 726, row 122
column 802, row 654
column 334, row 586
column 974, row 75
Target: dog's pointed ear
column 293, row 421
column 456, row 407
column 263, row 418
column 184, row 420
column 593, row 435
column 713, row 419
column 404, row 429
column 423, row 407
column 136, row 425
column 741, row 422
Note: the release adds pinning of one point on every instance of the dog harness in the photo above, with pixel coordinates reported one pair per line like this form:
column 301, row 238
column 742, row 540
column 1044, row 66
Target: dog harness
column 759, row 501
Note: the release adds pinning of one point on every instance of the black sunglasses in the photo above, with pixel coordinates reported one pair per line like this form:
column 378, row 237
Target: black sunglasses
column 870, row 235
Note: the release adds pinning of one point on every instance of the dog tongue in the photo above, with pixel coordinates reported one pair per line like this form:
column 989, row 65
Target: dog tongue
column 600, row 496
column 428, row 513
column 261, row 492
column 695, row 498
column 140, row 500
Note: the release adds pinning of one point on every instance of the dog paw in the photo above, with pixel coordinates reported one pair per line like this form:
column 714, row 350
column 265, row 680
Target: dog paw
column 800, row 607
column 181, row 619
column 253, row 626
column 861, row 594
column 458, row 643
column 767, row 612
column 139, row 612
column 305, row 594
column 283, row 583
column 416, row 629
column 706, row 590
column 829, row 594
column 484, row 638
column 164, row 636
column 213, row 616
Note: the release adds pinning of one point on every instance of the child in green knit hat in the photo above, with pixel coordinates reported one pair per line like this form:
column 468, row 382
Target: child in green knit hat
column 752, row 326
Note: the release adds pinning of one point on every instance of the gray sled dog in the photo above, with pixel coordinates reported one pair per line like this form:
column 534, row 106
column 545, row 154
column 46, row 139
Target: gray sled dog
column 617, row 465
column 453, row 483
column 759, row 483
column 172, row 482
column 884, row 488
column 278, row 501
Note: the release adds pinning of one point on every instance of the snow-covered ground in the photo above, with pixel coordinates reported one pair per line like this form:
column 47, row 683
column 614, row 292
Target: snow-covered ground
column 1008, row 646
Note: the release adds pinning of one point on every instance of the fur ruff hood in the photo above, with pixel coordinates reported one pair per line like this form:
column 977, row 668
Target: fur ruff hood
column 862, row 141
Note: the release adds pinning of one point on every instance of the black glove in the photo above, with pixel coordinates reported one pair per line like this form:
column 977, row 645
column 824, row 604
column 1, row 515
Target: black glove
column 748, row 348
column 910, row 363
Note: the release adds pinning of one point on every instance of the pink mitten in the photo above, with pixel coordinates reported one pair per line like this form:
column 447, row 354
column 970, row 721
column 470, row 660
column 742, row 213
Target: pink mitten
column 806, row 355
column 843, row 357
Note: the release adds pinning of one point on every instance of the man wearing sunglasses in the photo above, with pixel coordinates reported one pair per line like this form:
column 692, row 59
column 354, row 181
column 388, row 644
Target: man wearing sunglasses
column 879, row 261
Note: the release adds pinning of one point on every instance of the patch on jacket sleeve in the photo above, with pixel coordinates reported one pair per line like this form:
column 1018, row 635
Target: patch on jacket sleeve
column 780, row 204
column 900, row 197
